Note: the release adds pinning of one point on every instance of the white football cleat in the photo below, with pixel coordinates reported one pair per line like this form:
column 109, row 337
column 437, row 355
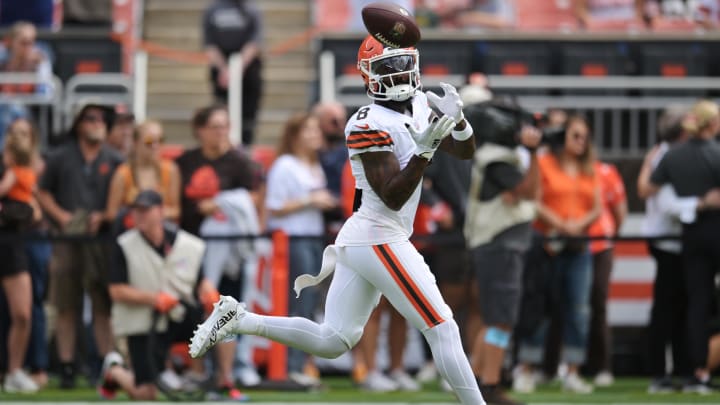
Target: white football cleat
column 218, row 327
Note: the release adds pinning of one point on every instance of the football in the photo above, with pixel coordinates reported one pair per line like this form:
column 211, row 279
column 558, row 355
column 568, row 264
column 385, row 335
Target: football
column 391, row 24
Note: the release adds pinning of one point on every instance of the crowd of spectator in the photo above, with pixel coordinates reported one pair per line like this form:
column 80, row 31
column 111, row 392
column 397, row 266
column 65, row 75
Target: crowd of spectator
column 517, row 208
column 533, row 15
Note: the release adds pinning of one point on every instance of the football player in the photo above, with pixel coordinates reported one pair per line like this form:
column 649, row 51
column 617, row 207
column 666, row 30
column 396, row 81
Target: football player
column 390, row 143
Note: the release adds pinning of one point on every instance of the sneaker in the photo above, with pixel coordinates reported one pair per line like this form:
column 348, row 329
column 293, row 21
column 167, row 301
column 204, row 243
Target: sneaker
column 695, row 385
column 218, row 327
column 304, row 379
column 573, row 383
column 193, row 381
column 379, row 382
column 171, row 380
column 496, row 395
column 662, row 385
column 230, row 392
column 404, row 381
column 19, row 382
column 604, row 379
column 427, row 373
column 524, row 381
column 108, row 388
column 247, row 376
column 445, row 385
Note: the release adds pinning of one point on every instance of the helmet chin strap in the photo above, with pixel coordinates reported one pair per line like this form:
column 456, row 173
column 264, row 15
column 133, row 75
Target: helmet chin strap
column 400, row 92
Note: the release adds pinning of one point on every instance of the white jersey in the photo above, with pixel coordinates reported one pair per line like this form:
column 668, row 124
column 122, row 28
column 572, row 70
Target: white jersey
column 375, row 128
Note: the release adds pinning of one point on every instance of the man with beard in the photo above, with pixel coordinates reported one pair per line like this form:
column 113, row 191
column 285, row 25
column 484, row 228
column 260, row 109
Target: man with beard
column 73, row 193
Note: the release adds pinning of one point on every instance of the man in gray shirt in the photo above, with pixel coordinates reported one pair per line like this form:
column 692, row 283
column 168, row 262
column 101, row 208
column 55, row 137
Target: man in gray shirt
column 73, row 193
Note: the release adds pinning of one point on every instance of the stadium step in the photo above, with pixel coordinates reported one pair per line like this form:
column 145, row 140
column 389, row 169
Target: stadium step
column 176, row 89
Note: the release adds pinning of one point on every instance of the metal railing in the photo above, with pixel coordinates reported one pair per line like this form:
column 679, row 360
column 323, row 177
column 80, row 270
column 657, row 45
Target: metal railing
column 109, row 89
column 49, row 100
column 622, row 110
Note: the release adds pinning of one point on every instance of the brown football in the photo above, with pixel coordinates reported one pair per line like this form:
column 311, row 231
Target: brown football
column 391, row 24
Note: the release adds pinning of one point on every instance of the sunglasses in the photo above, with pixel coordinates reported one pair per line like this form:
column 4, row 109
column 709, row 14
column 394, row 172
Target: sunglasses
column 92, row 118
column 152, row 141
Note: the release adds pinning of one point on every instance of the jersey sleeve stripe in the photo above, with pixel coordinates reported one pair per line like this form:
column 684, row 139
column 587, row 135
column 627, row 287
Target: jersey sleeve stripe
column 365, row 139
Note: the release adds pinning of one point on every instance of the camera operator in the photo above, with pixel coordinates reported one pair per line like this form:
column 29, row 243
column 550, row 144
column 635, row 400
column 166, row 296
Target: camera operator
column 498, row 231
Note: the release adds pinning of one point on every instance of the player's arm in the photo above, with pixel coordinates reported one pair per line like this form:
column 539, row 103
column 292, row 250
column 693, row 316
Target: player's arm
column 392, row 185
column 464, row 149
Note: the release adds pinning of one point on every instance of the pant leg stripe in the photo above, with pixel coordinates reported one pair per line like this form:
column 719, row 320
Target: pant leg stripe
column 411, row 291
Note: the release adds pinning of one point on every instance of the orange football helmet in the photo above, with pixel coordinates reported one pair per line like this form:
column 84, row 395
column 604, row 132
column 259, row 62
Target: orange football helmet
column 388, row 73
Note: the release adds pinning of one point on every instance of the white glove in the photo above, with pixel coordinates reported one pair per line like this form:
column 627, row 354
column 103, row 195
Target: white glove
column 449, row 104
column 429, row 140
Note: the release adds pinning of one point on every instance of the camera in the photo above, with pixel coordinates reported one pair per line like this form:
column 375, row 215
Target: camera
column 500, row 120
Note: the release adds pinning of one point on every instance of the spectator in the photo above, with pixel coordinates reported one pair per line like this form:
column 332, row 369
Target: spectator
column 87, row 12
column 120, row 136
column 145, row 170
column 609, row 13
column 156, row 269
column 492, row 14
column 569, row 203
column 331, row 118
column 297, row 196
column 613, row 212
column 692, row 170
column 38, row 253
column 231, row 26
column 206, row 171
column 36, row 12
column 668, row 313
column 19, row 211
column 21, row 54
column 73, row 192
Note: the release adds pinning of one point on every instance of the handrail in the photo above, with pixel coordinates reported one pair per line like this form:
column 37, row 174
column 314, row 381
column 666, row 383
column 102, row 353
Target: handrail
column 603, row 83
column 74, row 94
column 51, row 98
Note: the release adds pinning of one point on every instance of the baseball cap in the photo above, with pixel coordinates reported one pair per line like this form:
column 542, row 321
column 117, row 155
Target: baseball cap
column 147, row 199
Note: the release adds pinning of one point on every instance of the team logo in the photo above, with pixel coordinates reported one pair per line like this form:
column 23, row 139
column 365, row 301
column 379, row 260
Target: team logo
column 219, row 324
column 398, row 30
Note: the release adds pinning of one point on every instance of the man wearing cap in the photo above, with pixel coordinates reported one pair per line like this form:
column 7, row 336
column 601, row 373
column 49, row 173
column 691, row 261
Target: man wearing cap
column 73, row 192
column 156, row 268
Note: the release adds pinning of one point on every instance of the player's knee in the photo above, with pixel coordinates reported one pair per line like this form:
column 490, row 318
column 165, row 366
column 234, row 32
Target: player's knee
column 333, row 348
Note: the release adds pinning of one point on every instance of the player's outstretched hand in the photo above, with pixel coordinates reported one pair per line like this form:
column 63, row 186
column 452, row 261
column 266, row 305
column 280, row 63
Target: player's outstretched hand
column 449, row 104
column 429, row 140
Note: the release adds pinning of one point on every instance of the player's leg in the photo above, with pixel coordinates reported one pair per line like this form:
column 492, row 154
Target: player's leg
column 402, row 276
column 349, row 303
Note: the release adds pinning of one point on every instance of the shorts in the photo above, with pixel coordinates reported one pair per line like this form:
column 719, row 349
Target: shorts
column 498, row 271
column 13, row 258
column 76, row 268
column 451, row 265
column 148, row 360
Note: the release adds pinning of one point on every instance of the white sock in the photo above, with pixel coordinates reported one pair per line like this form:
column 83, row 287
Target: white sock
column 451, row 362
column 300, row 333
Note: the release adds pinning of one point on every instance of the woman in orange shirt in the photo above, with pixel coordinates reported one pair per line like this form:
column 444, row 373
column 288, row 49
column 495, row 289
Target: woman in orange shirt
column 20, row 210
column 569, row 202
column 145, row 169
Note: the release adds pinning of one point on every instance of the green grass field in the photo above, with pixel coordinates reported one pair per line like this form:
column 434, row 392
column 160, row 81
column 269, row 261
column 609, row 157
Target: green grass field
column 341, row 390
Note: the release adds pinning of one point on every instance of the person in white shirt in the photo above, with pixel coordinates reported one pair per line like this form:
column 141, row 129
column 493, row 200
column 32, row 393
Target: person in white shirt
column 296, row 198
